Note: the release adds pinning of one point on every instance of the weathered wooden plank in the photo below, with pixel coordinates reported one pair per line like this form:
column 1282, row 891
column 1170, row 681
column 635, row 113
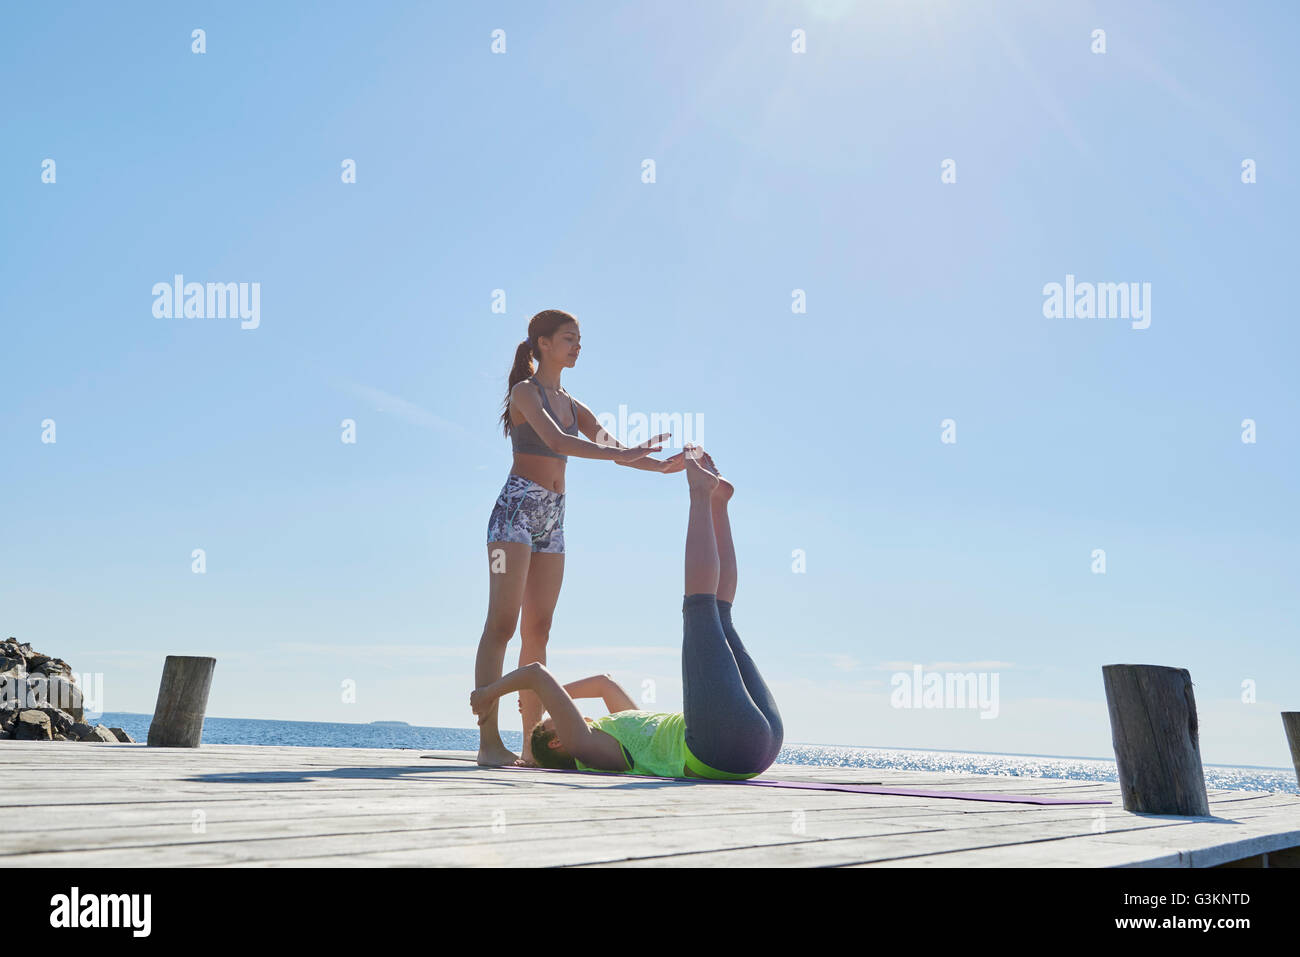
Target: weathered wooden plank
column 891, row 850
column 451, row 845
column 485, row 827
column 582, row 840
column 130, row 822
column 1101, row 851
column 108, row 779
column 134, row 823
column 1068, row 852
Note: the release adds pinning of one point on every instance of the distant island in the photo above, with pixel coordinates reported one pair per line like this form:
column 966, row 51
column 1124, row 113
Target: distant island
column 405, row 724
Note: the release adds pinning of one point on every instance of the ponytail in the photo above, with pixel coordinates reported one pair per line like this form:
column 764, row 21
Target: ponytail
column 520, row 371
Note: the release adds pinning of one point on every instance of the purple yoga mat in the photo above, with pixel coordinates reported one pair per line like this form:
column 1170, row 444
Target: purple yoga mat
column 854, row 788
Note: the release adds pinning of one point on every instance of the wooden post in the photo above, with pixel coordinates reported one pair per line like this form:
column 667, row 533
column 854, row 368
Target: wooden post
column 1291, row 721
column 1157, row 745
column 182, row 701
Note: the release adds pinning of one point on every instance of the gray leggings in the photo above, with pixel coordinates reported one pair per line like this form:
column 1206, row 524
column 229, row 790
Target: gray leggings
column 731, row 719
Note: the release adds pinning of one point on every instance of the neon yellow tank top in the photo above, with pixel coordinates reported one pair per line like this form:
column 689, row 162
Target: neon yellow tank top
column 655, row 739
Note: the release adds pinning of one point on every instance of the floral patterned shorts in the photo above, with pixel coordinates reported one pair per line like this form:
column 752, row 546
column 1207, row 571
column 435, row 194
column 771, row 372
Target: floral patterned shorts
column 528, row 513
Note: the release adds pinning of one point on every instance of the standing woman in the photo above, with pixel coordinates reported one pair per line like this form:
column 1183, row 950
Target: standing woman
column 525, row 536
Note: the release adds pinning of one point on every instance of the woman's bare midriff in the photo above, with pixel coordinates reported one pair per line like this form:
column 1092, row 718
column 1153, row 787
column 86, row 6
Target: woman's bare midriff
column 542, row 469
column 547, row 471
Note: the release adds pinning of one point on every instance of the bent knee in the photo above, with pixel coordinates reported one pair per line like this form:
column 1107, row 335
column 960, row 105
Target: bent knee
column 778, row 742
column 536, row 629
column 499, row 630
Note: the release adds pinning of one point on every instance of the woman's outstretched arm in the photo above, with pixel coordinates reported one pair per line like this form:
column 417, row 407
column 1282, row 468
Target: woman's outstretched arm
column 590, row 426
column 526, row 398
column 569, row 724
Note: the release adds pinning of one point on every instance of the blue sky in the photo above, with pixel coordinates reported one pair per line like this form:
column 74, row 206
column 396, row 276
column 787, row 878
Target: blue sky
column 775, row 171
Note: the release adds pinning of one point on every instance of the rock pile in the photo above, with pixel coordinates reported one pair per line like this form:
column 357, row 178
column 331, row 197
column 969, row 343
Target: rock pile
column 40, row 700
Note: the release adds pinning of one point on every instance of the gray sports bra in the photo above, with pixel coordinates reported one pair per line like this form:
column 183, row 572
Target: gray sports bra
column 524, row 438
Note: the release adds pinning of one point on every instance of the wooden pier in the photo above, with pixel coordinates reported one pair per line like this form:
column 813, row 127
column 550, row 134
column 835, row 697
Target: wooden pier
column 68, row 804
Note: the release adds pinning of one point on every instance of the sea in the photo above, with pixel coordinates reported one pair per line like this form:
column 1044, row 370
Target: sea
column 321, row 734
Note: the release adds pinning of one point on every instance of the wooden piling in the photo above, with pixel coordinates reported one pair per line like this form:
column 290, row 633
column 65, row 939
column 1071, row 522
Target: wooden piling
column 182, row 702
column 1291, row 721
column 1157, row 744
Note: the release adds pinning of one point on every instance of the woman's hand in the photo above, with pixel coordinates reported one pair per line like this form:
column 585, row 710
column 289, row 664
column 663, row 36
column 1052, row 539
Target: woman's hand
column 482, row 702
column 644, row 449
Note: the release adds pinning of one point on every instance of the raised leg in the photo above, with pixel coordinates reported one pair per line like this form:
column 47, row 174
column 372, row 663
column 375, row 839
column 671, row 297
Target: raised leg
column 754, row 683
column 724, row 727
column 701, row 548
column 727, row 574
column 727, row 580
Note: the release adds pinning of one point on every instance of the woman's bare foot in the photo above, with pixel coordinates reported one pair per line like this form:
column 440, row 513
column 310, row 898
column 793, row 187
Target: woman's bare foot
column 725, row 489
column 697, row 476
column 496, row 756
